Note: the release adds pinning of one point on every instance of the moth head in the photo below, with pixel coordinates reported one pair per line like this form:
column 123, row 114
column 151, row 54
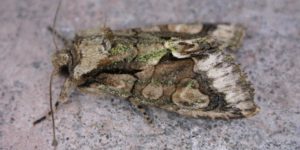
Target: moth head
column 91, row 52
column 61, row 61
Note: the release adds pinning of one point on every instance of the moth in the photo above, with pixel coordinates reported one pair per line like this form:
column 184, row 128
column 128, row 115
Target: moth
column 179, row 68
column 183, row 68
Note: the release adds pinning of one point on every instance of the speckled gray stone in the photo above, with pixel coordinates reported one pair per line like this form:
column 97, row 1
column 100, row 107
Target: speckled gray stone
column 270, row 55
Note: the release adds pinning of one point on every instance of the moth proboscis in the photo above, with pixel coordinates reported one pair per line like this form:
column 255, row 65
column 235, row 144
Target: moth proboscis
column 184, row 68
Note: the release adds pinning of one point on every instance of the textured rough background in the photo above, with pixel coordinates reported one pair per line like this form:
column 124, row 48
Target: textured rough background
column 270, row 55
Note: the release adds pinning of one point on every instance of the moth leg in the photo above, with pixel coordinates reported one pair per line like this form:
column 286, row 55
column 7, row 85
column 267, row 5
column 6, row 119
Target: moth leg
column 141, row 109
column 47, row 115
column 66, row 90
column 63, row 98
column 59, row 36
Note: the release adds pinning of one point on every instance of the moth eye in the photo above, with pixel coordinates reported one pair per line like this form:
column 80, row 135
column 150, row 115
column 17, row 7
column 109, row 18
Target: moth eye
column 61, row 60
column 64, row 70
column 188, row 95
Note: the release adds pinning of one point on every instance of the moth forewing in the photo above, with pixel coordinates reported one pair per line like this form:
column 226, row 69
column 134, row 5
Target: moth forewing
column 181, row 68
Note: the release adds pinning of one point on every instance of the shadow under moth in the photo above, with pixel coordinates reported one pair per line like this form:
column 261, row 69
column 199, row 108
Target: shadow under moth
column 184, row 68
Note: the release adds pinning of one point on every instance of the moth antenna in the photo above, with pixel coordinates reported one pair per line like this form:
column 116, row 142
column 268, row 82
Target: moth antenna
column 105, row 21
column 106, row 30
column 54, row 24
column 54, row 141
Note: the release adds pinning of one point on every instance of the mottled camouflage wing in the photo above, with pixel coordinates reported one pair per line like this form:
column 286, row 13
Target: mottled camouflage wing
column 229, row 35
column 184, row 71
column 198, row 81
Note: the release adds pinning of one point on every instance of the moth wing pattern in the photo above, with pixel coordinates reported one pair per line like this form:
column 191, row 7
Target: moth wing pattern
column 230, row 36
column 183, row 68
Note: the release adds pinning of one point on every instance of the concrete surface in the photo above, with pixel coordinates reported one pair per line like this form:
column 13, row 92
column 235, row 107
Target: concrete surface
column 270, row 55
